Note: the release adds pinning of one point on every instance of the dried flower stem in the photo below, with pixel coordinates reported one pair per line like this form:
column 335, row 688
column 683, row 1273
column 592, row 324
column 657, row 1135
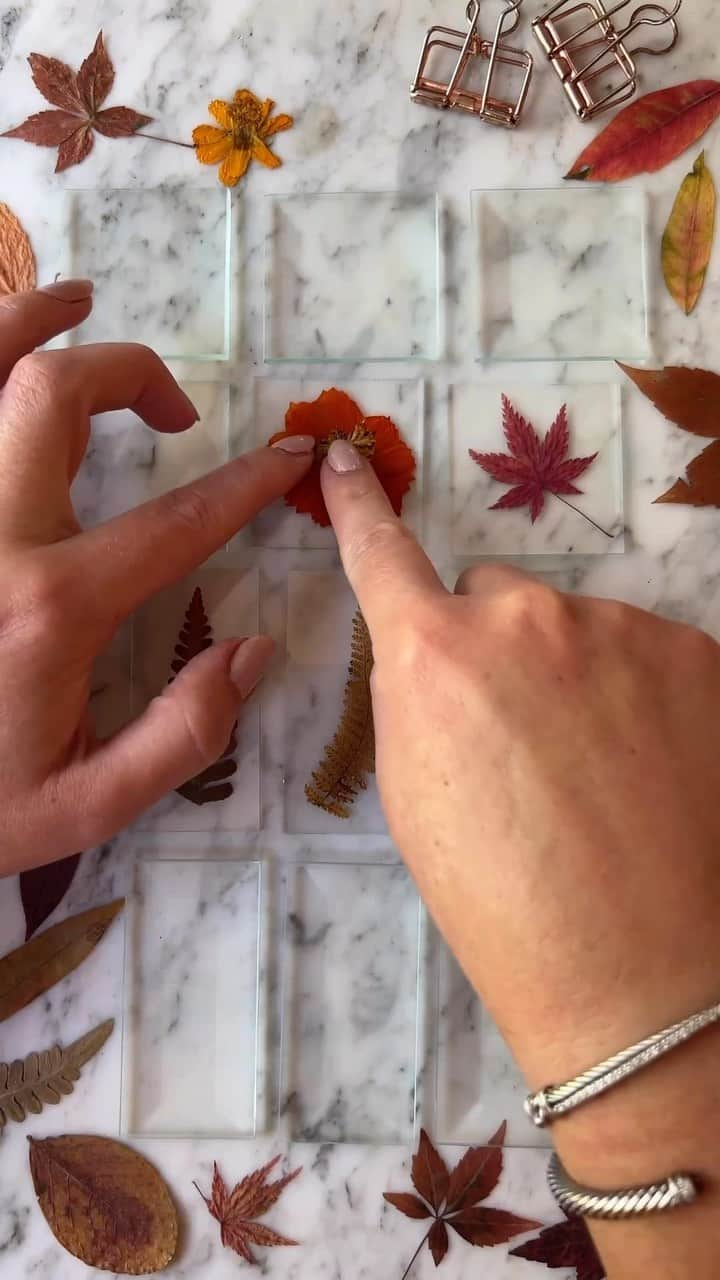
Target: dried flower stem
column 584, row 516
column 172, row 141
column 409, row 1266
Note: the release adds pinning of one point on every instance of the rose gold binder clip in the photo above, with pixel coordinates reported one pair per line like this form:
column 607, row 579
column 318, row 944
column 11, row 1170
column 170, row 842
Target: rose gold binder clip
column 590, row 53
column 459, row 92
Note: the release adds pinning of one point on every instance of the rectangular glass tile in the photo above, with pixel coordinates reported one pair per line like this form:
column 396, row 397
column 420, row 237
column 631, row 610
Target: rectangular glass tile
column 594, row 418
column 321, row 607
column 404, row 402
column 230, row 599
column 175, row 239
column 478, row 1084
column 353, row 962
column 561, row 274
column 353, row 276
column 128, row 463
column 193, row 1042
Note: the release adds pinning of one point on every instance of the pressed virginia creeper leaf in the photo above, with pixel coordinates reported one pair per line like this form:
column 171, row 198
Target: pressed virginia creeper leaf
column 45, row 1078
column 195, row 636
column 36, row 966
column 565, row 1244
column 17, row 260
column 690, row 398
column 237, row 1210
column 105, row 1203
column 350, row 757
column 687, row 242
column 452, row 1199
column 42, row 889
column 77, row 99
column 651, row 132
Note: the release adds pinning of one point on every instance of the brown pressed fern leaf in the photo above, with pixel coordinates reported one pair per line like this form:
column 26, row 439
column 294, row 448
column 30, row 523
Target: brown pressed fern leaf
column 213, row 783
column 350, row 757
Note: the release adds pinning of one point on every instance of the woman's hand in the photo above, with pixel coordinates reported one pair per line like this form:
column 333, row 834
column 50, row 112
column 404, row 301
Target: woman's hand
column 63, row 592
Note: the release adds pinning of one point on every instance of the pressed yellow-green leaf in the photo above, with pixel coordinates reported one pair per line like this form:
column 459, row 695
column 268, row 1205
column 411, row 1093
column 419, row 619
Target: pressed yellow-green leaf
column 687, row 242
column 35, row 967
column 43, row 1079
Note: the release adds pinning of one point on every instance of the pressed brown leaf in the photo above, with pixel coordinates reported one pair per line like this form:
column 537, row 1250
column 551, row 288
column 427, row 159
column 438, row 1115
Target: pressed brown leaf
column 119, row 122
column 56, row 81
column 105, row 1203
column 43, row 1079
column 701, row 485
column 430, row 1174
column 564, row 1245
column 350, row 757
column 488, row 1227
column 412, row 1206
column 42, row 889
column 96, row 76
column 36, row 966
column 17, row 260
column 477, row 1173
column 237, row 1210
column 195, row 637
column 688, row 238
column 438, row 1241
column 690, row 398
column 75, row 148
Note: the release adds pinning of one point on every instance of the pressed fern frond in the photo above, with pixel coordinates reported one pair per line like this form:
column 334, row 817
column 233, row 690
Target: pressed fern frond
column 350, row 757
column 195, row 636
column 43, row 1079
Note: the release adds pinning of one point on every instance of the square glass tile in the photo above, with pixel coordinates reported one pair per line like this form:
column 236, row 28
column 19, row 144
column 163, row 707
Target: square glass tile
column 353, row 276
column 230, row 600
column 594, row 416
column 321, row 607
column 353, row 961
column 128, row 463
column 478, row 1084
column 160, row 260
column 561, row 274
column 404, row 402
column 194, row 1039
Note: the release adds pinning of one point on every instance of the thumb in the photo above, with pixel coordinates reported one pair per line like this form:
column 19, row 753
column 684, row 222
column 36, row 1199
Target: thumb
column 183, row 731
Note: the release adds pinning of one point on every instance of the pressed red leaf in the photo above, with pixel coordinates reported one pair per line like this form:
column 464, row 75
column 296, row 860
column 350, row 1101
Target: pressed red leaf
column 487, row 1227
column 119, row 122
column 649, row 133
column 564, row 1245
column 75, row 149
column 56, row 81
column 700, row 487
column 42, row 889
column 477, row 1173
column 430, row 1174
column 237, row 1210
column 438, row 1241
column 690, row 398
column 412, row 1206
column 45, row 128
column 96, row 76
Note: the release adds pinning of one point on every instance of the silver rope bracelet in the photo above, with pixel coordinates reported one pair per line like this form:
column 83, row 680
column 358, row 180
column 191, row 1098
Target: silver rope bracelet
column 554, row 1101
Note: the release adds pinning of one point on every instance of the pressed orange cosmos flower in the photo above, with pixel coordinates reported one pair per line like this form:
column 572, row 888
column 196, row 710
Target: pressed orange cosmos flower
column 245, row 125
column 335, row 416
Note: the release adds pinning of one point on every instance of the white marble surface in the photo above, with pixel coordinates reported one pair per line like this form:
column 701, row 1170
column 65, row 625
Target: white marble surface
column 344, row 73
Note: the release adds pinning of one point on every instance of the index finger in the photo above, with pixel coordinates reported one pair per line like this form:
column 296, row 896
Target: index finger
column 386, row 567
column 28, row 320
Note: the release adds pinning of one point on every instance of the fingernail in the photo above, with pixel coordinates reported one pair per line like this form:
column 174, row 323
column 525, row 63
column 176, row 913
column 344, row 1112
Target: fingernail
column 249, row 662
column 295, row 444
column 69, row 290
column 343, row 457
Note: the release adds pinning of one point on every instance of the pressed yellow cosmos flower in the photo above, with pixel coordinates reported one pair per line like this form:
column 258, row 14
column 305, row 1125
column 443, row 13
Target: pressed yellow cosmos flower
column 245, row 125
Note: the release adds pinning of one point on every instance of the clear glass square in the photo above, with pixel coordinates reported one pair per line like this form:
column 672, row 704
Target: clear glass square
column 279, row 525
column 594, row 414
column 353, row 276
column 194, row 1030
column 160, row 259
column 353, row 963
column 128, row 463
column 231, row 601
column 321, row 608
column 561, row 274
column 477, row 1083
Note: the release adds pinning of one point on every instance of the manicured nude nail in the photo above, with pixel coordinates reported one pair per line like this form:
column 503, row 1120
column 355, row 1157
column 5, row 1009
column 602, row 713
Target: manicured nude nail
column 248, row 663
column 295, row 444
column 344, row 457
column 69, row 290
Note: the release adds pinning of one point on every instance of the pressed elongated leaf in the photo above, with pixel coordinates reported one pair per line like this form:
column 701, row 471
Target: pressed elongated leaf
column 564, row 1245
column 687, row 242
column 43, row 1079
column 412, row 1206
column 42, row 889
column 690, row 398
column 17, row 260
column 438, row 1241
column 651, row 132
column 700, row 487
column 350, row 757
column 487, row 1227
column 477, row 1173
column 430, row 1174
column 35, row 967
column 105, row 1203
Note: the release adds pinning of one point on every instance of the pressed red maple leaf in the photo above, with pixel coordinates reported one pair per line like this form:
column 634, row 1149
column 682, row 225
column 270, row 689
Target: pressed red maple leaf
column 453, row 1199
column 237, row 1210
column 335, row 416
column 533, row 466
column 565, row 1244
column 77, row 98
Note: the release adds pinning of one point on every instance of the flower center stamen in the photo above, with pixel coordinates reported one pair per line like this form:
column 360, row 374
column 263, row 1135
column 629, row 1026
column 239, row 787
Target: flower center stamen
column 361, row 437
